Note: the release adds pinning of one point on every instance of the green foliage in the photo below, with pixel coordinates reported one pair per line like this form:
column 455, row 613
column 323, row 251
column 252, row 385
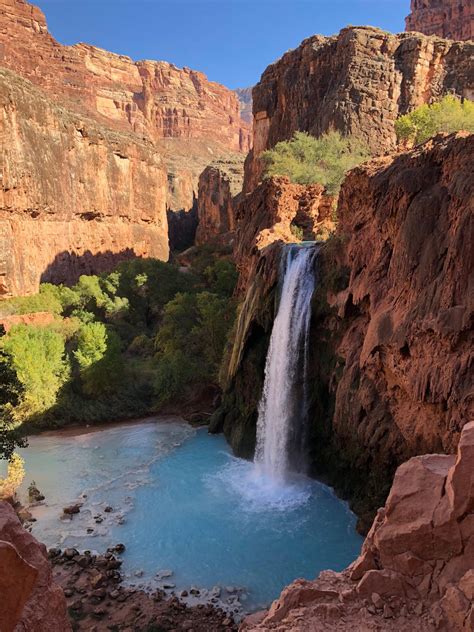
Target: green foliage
column 10, row 390
column 307, row 160
column 98, row 358
column 37, row 356
column 190, row 342
column 448, row 115
column 121, row 343
column 296, row 231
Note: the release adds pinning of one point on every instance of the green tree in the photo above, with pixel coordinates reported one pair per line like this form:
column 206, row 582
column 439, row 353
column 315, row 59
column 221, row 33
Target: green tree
column 307, row 160
column 98, row 358
column 10, row 390
column 448, row 115
column 37, row 355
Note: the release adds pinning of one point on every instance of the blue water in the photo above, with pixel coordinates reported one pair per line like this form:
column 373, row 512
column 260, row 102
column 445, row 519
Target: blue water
column 182, row 502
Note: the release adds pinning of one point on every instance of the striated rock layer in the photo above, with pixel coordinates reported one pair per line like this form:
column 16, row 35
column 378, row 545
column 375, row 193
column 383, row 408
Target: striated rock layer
column 30, row 600
column 391, row 336
column 219, row 184
column 453, row 19
column 75, row 197
column 357, row 82
column 416, row 568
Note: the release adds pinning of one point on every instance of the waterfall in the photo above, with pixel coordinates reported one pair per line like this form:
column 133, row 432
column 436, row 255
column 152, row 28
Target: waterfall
column 282, row 427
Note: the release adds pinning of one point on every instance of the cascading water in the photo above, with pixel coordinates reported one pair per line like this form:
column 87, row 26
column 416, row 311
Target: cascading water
column 281, row 428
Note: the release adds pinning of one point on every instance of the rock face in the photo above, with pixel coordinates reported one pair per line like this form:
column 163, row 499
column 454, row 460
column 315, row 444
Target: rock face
column 415, row 571
column 153, row 99
column 245, row 98
column 357, row 82
column 390, row 350
column 452, row 19
column 30, row 598
column 75, row 197
column 264, row 221
column 218, row 185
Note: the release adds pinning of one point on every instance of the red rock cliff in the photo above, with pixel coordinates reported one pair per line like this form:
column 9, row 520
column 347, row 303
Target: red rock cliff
column 357, row 82
column 416, row 569
column 30, row 601
column 75, row 197
column 453, row 19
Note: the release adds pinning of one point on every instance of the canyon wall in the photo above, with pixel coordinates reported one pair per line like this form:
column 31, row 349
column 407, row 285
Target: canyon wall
column 97, row 152
column 452, row 19
column 75, row 196
column 357, row 82
column 391, row 337
column 416, row 568
column 30, row 600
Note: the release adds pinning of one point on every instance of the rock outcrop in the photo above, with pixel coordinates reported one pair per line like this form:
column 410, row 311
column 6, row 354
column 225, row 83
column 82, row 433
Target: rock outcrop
column 218, row 185
column 452, row 19
column 265, row 219
column 30, row 599
column 357, row 82
column 416, row 568
column 75, row 196
column 391, row 335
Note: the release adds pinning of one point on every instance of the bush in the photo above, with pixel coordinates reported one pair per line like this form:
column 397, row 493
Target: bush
column 308, row 160
column 448, row 115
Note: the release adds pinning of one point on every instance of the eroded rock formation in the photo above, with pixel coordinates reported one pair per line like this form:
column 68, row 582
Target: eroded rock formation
column 218, row 185
column 264, row 221
column 391, row 340
column 453, row 19
column 30, row 600
column 416, row 568
column 75, row 196
column 357, row 82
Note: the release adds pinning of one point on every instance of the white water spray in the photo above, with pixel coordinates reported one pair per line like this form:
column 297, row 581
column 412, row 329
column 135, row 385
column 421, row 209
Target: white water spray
column 281, row 427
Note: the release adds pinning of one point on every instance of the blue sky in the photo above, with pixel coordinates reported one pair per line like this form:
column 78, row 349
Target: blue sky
column 232, row 41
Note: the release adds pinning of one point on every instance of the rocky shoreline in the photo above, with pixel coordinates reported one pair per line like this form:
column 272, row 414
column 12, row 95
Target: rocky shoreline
column 97, row 599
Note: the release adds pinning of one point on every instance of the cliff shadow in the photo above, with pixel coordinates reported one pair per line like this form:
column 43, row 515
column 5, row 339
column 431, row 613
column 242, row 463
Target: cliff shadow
column 67, row 266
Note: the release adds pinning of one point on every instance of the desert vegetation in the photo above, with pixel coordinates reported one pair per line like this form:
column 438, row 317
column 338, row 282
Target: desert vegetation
column 306, row 159
column 448, row 115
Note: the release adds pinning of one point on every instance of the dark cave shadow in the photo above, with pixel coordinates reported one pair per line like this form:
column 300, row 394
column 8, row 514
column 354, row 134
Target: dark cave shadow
column 67, row 266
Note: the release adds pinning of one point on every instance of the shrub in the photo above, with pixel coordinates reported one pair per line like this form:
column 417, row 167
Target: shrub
column 15, row 476
column 448, row 115
column 296, row 231
column 307, row 160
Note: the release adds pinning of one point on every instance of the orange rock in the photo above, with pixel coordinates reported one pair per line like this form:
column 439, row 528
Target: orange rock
column 30, row 600
column 453, row 19
column 410, row 602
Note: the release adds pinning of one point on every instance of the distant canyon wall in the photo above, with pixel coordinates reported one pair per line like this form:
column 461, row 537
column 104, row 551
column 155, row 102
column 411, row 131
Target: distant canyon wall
column 75, row 197
column 97, row 151
column 452, row 19
column 357, row 82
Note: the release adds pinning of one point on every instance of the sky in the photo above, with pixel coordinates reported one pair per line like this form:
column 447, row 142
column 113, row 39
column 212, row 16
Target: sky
column 231, row 41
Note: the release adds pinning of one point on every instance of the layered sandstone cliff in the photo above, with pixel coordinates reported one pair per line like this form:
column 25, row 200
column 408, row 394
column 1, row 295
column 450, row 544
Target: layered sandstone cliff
column 357, row 82
column 391, row 335
column 75, row 196
column 452, row 19
column 29, row 598
column 416, row 568
column 219, row 184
